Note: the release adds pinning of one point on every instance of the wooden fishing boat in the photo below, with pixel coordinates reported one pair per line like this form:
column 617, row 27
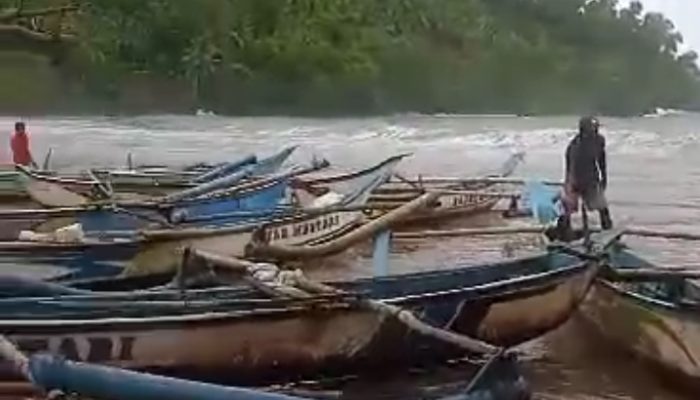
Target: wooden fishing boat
column 162, row 181
column 266, row 197
column 51, row 191
column 159, row 251
column 11, row 186
column 147, row 180
column 498, row 378
column 657, row 321
column 178, row 333
column 222, row 200
column 57, row 261
column 151, row 251
column 650, row 312
column 461, row 197
column 263, row 196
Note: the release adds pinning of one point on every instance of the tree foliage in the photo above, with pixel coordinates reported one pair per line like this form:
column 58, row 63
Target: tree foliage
column 363, row 56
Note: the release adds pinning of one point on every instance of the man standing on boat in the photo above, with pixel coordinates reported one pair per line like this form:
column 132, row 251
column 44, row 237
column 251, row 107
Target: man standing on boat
column 586, row 175
column 20, row 146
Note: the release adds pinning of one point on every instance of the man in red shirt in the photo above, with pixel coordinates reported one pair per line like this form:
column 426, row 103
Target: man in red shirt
column 20, row 146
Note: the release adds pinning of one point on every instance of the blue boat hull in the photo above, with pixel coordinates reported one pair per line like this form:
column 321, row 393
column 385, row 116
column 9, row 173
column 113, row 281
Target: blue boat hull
column 65, row 262
column 213, row 211
column 101, row 382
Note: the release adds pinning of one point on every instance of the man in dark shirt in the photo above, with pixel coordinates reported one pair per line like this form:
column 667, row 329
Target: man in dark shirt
column 586, row 173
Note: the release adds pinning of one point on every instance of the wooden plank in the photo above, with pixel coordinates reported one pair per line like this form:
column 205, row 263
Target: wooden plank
column 484, row 180
column 466, row 232
column 646, row 275
column 647, row 232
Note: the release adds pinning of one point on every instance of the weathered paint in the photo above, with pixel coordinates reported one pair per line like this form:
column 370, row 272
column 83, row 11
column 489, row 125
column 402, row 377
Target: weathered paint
column 504, row 304
column 448, row 205
column 656, row 331
column 287, row 340
column 12, row 185
column 90, row 381
column 159, row 256
column 510, row 321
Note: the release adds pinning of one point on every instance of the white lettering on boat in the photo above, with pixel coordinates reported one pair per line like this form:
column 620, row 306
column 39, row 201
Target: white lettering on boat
column 313, row 226
column 81, row 348
column 463, row 200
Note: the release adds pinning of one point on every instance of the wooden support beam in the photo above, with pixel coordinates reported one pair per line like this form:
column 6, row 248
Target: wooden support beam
column 468, row 232
column 647, row 232
column 647, row 275
column 304, row 288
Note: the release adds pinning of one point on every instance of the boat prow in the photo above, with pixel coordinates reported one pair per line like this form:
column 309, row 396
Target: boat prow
column 657, row 320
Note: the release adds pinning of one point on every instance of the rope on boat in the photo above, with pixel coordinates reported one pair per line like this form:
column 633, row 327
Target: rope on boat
column 366, row 231
column 302, row 287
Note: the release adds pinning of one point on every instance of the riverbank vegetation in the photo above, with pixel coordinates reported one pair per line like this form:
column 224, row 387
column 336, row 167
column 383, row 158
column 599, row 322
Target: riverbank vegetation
column 330, row 57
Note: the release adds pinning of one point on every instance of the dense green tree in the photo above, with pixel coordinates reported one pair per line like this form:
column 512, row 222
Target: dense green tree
column 364, row 56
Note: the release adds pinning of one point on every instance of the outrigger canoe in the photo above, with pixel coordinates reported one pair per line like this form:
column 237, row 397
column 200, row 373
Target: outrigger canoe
column 154, row 181
column 158, row 250
column 179, row 333
column 264, row 195
column 461, row 197
column 657, row 321
column 498, row 377
column 162, row 181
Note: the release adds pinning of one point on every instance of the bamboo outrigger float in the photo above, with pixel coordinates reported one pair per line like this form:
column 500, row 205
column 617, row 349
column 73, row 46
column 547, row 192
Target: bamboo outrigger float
column 497, row 378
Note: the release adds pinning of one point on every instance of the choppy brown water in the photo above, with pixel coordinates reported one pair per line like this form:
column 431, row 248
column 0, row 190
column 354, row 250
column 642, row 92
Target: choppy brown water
column 654, row 171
